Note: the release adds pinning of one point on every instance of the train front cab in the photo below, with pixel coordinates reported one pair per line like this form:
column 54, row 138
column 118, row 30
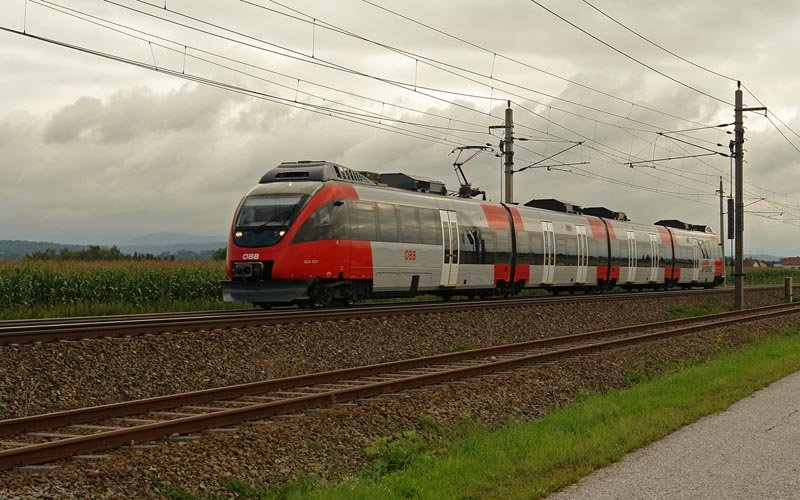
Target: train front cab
column 265, row 266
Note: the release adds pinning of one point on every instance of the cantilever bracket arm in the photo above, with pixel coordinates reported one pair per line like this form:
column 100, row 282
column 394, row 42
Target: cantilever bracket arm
column 533, row 165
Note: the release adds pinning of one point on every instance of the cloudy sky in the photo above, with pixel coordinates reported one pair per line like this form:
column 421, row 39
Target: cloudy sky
column 96, row 150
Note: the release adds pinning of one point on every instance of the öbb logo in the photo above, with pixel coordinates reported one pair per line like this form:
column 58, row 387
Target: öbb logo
column 250, row 256
column 410, row 255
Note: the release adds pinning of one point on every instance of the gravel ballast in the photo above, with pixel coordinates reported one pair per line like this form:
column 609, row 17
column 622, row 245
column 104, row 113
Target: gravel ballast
column 329, row 443
column 40, row 378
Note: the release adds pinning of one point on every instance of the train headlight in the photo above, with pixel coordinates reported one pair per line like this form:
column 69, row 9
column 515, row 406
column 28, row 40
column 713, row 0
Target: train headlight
column 281, row 232
column 238, row 234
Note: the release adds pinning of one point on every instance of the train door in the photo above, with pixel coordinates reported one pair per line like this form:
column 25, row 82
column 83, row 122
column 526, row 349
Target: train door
column 549, row 252
column 451, row 243
column 696, row 260
column 583, row 254
column 632, row 257
column 655, row 257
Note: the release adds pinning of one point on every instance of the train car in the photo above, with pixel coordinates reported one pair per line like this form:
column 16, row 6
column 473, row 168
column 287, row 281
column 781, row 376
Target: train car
column 317, row 233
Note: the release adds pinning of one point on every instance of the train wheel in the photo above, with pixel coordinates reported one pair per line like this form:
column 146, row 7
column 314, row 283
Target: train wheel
column 321, row 297
column 263, row 305
column 345, row 302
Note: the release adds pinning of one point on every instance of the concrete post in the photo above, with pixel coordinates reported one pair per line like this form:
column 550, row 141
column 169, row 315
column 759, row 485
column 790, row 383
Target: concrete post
column 509, row 155
column 787, row 289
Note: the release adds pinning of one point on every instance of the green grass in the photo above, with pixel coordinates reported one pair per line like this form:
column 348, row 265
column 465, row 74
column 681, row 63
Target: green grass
column 755, row 276
column 698, row 310
column 532, row 459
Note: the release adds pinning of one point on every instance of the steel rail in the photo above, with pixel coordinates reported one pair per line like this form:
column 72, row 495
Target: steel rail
column 127, row 408
column 89, row 319
column 37, row 453
column 93, row 327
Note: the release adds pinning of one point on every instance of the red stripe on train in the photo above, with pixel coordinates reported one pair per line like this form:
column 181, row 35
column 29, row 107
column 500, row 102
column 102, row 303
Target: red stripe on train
column 502, row 272
column 518, row 224
column 496, row 216
column 523, row 273
column 598, row 228
column 664, row 233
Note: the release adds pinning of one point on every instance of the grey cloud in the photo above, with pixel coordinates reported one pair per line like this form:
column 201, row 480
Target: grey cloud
column 69, row 122
column 131, row 114
column 164, row 156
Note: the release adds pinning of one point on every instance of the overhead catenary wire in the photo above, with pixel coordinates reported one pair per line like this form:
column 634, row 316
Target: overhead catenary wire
column 299, row 56
column 769, row 111
column 325, row 110
column 699, row 66
column 496, row 54
column 451, row 68
column 53, row 5
column 704, row 68
column 404, row 86
column 226, row 86
column 628, row 56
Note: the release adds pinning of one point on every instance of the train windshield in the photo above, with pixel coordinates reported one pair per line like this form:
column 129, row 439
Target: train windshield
column 269, row 210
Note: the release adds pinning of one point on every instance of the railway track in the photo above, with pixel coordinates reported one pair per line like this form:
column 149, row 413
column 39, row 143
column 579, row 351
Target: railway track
column 68, row 329
column 44, row 438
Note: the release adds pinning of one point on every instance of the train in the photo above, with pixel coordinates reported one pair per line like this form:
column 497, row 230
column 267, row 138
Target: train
column 315, row 233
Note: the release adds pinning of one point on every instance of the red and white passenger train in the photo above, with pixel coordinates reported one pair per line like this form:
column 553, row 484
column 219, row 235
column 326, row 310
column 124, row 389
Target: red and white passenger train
column 316, row 233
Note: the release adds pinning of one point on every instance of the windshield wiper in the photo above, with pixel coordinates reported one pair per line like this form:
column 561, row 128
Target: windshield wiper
column 261, row 227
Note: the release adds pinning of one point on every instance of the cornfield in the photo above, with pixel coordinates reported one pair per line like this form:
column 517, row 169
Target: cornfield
column 768, row 276
column 25, row 284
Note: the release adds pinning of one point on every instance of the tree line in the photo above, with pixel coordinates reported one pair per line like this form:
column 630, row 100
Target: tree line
column 96, row 252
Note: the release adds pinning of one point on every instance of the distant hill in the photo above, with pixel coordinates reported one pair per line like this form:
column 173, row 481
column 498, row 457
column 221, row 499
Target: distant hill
column 173, row 249
column 159, row 244
column 168, row 239
column 16, row 249
column 763, row 256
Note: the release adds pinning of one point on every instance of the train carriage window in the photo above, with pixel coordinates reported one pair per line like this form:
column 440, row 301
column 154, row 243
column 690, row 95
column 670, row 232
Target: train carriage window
column 686, row 256
column 471, row 245
column 595, row 256
column 325, row 228
column 308, row 230
column 704, row 248
column 523, row 248
column 537, row 249
column 572, row 250
column 489, row 241
column 341, row 226
column 318, row 226
column 623, row 253
column 362, row 221
column 643, row 247
column 503, row 248
column 562, row 253
column 665, row 254
column 430, row 226
column 387, row 223
column 409, row 226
